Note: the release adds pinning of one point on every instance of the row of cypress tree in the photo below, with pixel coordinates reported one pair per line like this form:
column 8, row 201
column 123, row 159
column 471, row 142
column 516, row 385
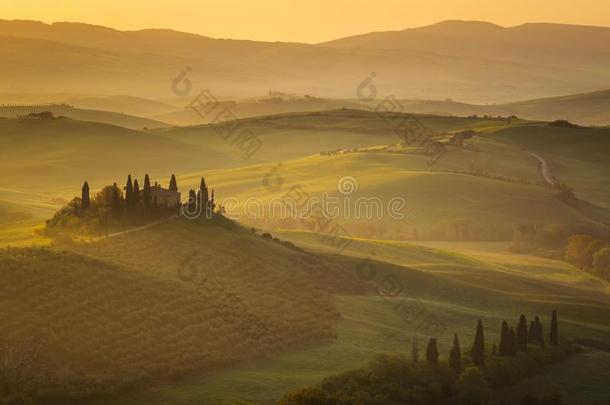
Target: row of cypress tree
column 510, row 342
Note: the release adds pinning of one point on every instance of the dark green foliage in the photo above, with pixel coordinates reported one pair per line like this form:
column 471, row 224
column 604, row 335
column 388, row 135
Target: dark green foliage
column 136, row 193
column 504, row 340
column 455, row 355
column 392, row 380
column 129, row 194
column 554, row 337
column 472, row 388
column 432, row 352
column 117, row 202
column 478, row 348
column 538, row 332
column 522, row 334
column 204, row 198
column 146, row 198
column 85, row 199
column 531, row 334
column 512, row 343
column 173, row 186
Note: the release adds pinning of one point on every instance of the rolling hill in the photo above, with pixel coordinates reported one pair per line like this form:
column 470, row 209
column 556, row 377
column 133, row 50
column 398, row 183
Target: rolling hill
column 128, row 312
column 104, row 117
column 455, row 288
column 88, row 59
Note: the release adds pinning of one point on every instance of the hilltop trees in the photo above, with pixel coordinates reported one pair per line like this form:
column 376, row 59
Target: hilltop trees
column 432, row 352
column 478, row 348
column 455, row 355
column 504, row 340
column 85, row 200
column 114, row 207
column 128, row 194
column 554, row 337
column 146, row 193
column 522, row 334
column 173, row 186
column 136, row 194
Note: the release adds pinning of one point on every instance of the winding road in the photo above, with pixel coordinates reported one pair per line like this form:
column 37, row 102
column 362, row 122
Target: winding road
column 545, row 170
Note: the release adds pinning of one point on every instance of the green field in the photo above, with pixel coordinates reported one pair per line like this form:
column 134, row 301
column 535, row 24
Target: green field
column 457, row 288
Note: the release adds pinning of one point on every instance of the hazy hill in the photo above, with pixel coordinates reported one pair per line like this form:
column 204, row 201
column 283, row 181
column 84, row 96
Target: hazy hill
column 569, row 45
column 98, row 60
column 139, row 106
column 104, row 117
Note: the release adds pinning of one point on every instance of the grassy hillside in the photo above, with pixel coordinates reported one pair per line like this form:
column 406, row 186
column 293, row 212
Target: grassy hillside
column 454, row 288
column 127, row 311
column 47, row 160
column 577, row 156
column 104, row 117
column 488, row 187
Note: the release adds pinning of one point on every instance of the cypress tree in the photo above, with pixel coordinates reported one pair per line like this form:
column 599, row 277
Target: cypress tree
column 522, row 334
column 432, row 352
column 531, row 334
column 173, row 186
column 129, row 194
column 116, row 202
column 504, row 338
column 192, row 203
column 85, row 199
column 136, row 193
column 455, row 355
column 554, row 337
column 478, row 347
column 204, row 197
column 538, row 331
column 146, row 193
column 512, row 343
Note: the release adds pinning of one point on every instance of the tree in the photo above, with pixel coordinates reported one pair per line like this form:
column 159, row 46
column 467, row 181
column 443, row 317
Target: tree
column 493, row 348
column 204, row 197
column 601, row 263
column 531, row 334
column 522, row 334
column 554, row 337
column 578, row 251
column 116, row 205
column 472, row 388
column 136, row 193
column 504, row 337
column 512, row 343
column 538, row 333
column 432, row 352
column 478, row 347
column 146, row 198
column 455, row 355
column 173, row 186
column 129, row 194
column 85, row 199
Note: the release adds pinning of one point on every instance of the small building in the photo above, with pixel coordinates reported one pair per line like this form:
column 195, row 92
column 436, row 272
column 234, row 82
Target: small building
column 164, row 197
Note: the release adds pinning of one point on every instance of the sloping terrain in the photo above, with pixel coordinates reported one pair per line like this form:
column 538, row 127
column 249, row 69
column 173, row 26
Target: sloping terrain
column 420, row 289
column 157, row 304
column 86, row 59
column 104, row 117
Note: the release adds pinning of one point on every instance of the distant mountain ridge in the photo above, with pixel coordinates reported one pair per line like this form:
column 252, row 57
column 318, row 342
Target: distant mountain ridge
column 471, row 61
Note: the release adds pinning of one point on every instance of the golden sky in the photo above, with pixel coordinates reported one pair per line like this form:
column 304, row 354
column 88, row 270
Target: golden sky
column 304, row 20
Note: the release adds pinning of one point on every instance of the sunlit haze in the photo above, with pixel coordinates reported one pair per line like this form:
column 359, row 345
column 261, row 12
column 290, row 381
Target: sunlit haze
column 302, row 21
